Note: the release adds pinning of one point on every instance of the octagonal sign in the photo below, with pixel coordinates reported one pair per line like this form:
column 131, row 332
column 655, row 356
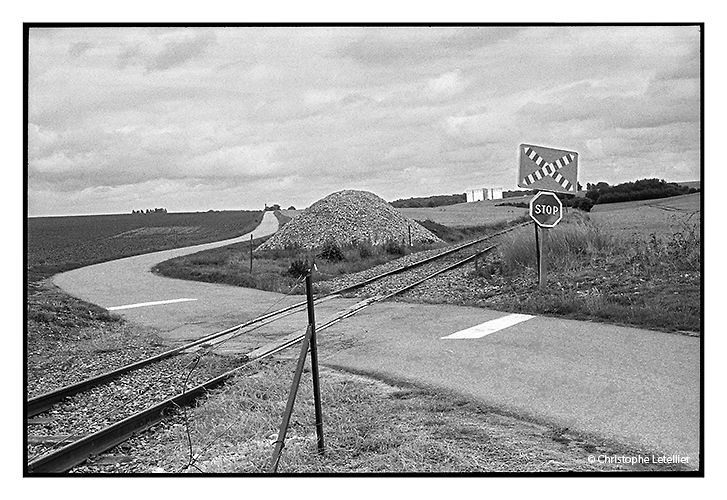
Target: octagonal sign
column 546, row 209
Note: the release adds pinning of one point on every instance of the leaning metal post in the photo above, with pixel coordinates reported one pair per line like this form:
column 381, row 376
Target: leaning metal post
column 280, row 442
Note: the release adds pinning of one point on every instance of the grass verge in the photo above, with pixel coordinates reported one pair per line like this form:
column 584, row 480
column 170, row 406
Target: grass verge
column 278, row 270
column 652, row 282
column 370, row 426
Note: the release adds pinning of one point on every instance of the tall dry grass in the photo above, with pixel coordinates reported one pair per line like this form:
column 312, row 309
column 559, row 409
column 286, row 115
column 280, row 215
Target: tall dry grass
column 570, row 246
column 647, row 281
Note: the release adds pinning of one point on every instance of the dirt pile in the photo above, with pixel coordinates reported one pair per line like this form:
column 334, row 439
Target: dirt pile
column 348, row 218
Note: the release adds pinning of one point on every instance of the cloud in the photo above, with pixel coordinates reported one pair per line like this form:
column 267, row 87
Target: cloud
column 178, row 52
column 420, row 46
column 447, row 85
column 285, row 115
column 172, row 49
column 79, row 48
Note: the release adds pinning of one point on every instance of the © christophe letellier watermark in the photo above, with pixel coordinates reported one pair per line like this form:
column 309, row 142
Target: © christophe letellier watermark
column 639, row 459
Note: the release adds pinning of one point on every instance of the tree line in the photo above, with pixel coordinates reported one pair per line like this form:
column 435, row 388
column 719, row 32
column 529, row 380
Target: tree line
column 644, row 189
column 150, row 211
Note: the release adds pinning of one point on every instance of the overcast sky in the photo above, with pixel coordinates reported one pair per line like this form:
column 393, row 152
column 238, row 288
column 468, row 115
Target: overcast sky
column 193, row 119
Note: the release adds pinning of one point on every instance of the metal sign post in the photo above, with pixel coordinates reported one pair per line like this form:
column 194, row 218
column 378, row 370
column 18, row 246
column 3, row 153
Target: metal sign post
column 543, row 264
column 546, row 210
column 537, row 248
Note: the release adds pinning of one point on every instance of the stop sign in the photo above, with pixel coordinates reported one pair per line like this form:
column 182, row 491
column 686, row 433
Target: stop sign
column 546, row 209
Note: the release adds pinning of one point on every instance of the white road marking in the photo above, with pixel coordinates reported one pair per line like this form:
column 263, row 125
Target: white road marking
column 144, row 304
column 489, row 327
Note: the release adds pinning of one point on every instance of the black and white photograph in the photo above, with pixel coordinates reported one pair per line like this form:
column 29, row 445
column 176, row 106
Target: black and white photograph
column 314, row 249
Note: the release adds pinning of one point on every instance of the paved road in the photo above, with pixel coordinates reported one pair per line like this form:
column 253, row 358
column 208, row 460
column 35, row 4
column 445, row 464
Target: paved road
column 635, row 386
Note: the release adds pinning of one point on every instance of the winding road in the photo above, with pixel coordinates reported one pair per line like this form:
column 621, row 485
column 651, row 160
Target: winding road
column 178, row 309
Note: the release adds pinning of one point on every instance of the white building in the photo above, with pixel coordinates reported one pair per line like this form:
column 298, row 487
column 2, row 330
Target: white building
column 483, row 194
column 475, row 195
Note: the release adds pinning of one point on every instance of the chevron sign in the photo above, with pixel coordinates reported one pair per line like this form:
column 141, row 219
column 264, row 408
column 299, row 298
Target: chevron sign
column 548, row 169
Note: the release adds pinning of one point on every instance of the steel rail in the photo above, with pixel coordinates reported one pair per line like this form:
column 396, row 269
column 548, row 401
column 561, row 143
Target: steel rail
column 418, row 263
column 38, row 404
column 78, row 451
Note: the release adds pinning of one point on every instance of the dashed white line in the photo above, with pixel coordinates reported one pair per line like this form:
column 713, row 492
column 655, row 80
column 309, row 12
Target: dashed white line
column 144, row 304
column 489, row 327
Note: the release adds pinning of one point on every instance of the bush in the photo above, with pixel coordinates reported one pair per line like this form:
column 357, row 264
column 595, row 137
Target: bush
column 394, row 248
column 365, row 250
column 331, row 252
column 585, row 204
column 298, row 268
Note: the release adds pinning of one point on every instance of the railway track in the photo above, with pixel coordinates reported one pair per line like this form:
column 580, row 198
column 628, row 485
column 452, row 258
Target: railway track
column 84, row 421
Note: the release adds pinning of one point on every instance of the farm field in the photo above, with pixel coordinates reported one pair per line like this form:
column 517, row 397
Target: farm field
column 480, row 213
column 57, row 244
column 640, row 219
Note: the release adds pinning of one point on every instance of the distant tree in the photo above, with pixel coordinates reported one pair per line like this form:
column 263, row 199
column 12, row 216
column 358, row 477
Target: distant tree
column 291, row 207
column 584, row 204
column 430, row 201
column 643, row 189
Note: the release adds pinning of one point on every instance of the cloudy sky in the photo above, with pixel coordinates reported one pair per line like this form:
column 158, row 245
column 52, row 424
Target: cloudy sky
column 225, row 118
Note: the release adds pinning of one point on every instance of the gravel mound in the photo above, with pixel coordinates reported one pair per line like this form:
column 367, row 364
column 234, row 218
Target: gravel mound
column 348, row 218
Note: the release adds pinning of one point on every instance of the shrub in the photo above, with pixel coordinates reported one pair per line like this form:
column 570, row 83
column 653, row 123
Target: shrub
column 298, row 268
column 331, row 252
column 394, row 248
column 585, row 204
column 365, row 250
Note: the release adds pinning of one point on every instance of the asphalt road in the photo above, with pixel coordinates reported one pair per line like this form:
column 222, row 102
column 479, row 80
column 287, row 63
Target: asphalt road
column 634, row 386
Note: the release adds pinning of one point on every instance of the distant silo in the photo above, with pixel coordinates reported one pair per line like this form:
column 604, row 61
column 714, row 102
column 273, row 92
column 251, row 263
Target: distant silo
column 483, row 194
column 475, row 195
column 493, row 194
